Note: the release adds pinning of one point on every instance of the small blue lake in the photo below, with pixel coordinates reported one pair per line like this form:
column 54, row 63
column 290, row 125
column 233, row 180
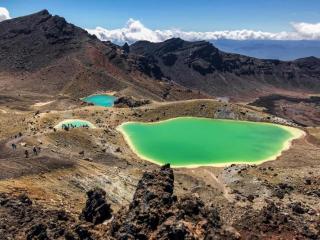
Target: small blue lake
column 102, row 100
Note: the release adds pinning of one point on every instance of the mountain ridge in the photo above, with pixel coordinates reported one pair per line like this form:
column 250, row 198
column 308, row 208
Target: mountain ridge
column 186, row 60
column 44, row 53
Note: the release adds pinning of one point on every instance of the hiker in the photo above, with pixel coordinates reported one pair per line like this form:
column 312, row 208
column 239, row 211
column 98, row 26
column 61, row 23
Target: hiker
column 26, row 153
column 14, row 146
column 35, row 151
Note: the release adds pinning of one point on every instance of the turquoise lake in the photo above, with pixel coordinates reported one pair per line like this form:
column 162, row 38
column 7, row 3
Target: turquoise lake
column 103, row 100
column 74, row 123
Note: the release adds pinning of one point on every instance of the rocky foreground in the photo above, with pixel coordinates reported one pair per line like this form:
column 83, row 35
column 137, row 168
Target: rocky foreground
column 156, row 213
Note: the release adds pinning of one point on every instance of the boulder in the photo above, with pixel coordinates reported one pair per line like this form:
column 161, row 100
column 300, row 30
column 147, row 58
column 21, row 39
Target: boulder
column 97, row 210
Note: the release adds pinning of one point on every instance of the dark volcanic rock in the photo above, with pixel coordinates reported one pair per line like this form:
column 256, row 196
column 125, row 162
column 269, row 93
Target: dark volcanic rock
column 201, row 66
column 302, row 111
column 37, row 232
column 282, row 189
column 30, row 42
column 275, row 221
column 130, row 102
column 156, row 213
column 169, row 59
column 97, row 210
column 19, row 219
column 298, row 208
column 126, row 48
column 150, row 206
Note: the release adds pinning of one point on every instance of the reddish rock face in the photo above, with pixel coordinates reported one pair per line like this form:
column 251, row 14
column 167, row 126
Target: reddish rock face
column 60, row 57
column 41, row 53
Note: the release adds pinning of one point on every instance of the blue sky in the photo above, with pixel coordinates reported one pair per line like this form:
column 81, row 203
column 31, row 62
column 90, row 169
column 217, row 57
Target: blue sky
column 187, row 15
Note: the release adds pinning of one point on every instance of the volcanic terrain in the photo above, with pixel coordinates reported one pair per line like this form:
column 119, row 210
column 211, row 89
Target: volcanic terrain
column 88, row 184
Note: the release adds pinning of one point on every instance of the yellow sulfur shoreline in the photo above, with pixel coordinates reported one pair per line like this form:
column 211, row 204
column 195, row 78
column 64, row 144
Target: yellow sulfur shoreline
column 296, row 134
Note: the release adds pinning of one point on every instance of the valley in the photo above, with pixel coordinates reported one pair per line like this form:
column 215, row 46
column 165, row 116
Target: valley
column 75, row 161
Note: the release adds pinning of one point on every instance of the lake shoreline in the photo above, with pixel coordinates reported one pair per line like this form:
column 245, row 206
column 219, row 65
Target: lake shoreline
column 102, row 100
column 295, row 132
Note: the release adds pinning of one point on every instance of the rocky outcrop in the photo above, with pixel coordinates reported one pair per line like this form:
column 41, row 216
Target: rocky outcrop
column 21, row 219
column 282, row 189
column 126, row 48
column 129, row 102
column 97, row 210
column 277, row 221
column 302, row 111
column 156, row 213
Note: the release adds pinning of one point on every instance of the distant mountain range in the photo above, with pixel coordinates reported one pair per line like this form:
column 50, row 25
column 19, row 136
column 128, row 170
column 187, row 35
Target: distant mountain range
column 271, row 49
column 42, row 53
column 202, row 66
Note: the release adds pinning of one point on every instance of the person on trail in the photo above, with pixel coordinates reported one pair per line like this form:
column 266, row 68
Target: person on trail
column 14, row 146
column 26, row 153
column 35, row 151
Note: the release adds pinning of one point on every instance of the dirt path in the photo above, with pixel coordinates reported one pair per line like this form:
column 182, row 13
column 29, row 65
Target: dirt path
column 9, row 143
column 156, row 104
column 41, row 104
column 6, row 150
column 222, row 186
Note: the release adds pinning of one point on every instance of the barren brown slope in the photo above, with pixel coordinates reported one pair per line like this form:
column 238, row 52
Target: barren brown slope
column 199, row 65
column 41, row 53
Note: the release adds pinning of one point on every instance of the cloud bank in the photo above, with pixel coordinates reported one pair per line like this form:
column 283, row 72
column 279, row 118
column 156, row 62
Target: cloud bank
column 307, row 30
column 4, row 14
column 134, row 31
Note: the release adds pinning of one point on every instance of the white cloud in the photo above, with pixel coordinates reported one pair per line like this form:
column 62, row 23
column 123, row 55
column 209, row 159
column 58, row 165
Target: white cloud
column 307, row 30
column 4, row 14
column 135, row 31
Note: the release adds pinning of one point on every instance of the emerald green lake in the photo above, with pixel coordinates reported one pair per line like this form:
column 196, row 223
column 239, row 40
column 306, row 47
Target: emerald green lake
column 203, row 142
column 102, row 100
